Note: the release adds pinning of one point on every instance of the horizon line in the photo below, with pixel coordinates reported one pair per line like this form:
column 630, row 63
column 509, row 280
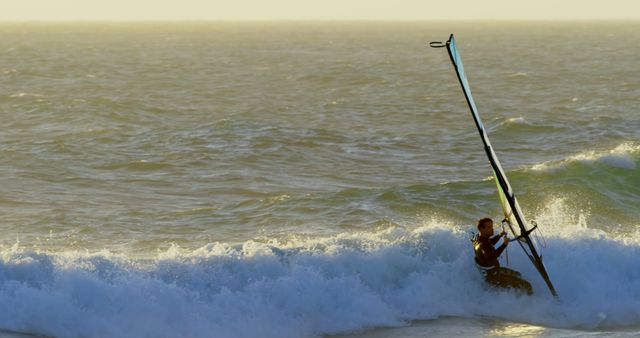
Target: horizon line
column 313, row 20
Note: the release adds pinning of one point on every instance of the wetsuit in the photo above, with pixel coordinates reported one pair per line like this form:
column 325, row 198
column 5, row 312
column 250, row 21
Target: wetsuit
column 487, row 260
column 486, row 253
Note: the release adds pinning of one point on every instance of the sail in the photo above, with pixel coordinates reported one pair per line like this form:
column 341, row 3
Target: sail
column 506, row 207
column 512, row 212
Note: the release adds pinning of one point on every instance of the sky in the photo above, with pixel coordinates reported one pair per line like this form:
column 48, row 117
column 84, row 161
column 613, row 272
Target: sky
column 127, row 10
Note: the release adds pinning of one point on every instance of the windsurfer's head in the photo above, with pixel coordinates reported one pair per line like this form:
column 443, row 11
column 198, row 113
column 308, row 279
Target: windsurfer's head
column 485, row 226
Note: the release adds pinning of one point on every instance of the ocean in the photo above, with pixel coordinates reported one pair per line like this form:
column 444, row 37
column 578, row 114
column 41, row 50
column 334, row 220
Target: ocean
column 313, row 179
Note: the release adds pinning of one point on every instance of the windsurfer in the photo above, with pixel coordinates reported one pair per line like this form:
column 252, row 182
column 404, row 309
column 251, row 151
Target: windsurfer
column 487, row 258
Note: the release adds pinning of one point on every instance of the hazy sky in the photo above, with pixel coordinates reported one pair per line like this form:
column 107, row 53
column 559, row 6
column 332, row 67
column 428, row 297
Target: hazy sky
column 317, row 9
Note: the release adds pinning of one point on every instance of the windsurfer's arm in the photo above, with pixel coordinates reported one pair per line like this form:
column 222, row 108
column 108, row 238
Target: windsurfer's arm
column 502, row 247
column 496, row 238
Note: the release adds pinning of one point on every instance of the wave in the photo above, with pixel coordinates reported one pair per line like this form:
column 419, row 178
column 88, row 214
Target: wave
column 607, row 182
column 518, row 74
column 625, row 156
column 523, row 125
column 305, row 287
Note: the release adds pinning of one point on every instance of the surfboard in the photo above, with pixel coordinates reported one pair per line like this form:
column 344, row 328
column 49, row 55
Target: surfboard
column 513, row 215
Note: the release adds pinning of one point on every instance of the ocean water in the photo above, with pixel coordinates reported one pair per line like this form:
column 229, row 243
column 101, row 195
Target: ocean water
column 312, row 179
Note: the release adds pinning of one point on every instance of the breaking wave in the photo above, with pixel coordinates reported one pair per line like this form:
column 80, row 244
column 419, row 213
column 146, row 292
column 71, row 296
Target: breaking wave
column 624, row 156
column 306, row 287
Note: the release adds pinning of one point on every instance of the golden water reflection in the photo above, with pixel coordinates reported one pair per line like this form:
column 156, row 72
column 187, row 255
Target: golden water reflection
column 516, row 330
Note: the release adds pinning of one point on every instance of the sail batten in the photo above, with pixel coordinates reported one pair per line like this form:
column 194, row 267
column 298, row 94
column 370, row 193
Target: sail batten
column 511, row 208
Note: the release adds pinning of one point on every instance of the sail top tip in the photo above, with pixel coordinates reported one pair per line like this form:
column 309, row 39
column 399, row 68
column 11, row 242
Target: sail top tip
column 440, row 44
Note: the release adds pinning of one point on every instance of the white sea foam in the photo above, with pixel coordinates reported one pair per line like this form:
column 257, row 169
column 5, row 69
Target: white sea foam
column 621, row 156
column 23, row 94
column 514, row 121
column 517, row 120
column 301, row 287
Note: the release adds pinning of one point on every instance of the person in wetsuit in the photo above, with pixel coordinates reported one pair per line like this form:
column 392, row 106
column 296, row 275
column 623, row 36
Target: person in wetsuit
column 487, row 258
